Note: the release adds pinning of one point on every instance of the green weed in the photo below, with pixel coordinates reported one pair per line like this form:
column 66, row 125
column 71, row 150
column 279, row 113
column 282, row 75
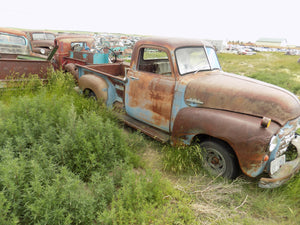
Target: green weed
column 275, row 68
column 182, row 159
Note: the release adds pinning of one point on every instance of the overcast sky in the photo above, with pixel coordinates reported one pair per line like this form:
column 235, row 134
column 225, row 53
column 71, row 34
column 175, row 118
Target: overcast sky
column 243, row 20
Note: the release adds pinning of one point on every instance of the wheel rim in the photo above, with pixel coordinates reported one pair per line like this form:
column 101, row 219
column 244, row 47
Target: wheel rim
column 215, row 162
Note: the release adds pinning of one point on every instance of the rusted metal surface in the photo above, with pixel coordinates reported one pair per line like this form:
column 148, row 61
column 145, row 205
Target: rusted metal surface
column 95, row 84
column 285, row 172
column 22, row 68
column 112, row 74
column 149, row 98
column 242, row 132
column 64, row 44
column 219, row 90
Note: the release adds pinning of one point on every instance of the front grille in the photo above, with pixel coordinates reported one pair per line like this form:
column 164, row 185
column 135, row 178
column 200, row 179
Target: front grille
column 285, row 135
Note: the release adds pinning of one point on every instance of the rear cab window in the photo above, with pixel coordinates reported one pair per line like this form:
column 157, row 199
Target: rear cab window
column 154, row 60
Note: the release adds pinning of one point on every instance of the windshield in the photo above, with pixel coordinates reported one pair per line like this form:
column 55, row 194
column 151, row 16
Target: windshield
column 43, row 36
column 194, row 59
column 11, row 39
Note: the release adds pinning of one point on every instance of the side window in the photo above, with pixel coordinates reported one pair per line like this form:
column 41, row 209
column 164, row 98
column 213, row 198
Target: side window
column 154, row 60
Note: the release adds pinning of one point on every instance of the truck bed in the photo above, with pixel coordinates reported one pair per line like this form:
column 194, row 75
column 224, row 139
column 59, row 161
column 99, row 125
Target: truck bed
column 16, row 68
column 115, row 70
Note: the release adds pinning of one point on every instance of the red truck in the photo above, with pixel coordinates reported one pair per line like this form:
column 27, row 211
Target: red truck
column 175, row 90
column 80, row 49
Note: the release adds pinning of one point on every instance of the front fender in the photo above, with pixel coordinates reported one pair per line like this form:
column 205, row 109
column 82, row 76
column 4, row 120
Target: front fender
column 242, row 132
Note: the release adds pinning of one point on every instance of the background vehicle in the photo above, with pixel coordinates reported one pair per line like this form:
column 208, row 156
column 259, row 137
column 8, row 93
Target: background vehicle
column 80, row 49
column 42, row 42
column 17, row 60
column 246, row 51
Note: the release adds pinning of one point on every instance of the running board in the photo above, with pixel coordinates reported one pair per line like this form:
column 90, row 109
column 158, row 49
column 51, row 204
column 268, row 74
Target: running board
column 146, row 129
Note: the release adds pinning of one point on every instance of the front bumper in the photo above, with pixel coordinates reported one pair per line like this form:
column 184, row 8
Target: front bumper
column 285, row 172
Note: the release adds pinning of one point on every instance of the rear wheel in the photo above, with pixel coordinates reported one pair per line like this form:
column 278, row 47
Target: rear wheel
column 89, row 94
column 219, row 160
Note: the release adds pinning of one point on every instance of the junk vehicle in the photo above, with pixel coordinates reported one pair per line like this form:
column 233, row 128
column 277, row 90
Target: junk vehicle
column 175, row 90
column 17, row 59
column 42, row 42
column 80, row 49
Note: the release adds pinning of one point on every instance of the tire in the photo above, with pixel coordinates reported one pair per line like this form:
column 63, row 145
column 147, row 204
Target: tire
column 89, row 94
column 218, row 159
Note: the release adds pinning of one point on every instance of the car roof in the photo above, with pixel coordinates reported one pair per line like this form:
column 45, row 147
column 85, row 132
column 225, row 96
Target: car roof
column 12, row 31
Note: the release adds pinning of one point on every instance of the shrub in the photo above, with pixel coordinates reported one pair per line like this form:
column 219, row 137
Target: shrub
column 42, row 195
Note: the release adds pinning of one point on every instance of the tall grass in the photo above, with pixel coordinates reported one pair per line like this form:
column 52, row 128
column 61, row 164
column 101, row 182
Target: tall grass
column 64, row 160
column 275, row 68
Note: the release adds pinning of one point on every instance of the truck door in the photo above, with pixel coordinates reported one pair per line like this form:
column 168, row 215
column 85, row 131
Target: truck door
column 150, row 88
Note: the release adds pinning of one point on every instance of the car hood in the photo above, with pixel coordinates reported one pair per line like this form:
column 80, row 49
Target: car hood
column 225, row 91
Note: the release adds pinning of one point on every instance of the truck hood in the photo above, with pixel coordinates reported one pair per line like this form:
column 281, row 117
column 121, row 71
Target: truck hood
column 225, row 91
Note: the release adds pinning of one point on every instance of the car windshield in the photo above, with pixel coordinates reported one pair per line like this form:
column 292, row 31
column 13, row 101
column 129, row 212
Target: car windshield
column 194, row 59
column 43, row 36
column 11, row 39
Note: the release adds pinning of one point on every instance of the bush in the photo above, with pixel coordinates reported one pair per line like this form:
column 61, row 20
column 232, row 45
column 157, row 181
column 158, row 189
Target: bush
column 42, row 195
column 84, row 141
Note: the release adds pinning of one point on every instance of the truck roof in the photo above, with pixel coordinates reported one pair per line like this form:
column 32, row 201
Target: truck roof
column 173, row 43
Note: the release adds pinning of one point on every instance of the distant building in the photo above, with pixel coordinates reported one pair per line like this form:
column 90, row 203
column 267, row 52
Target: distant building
column 272, row 42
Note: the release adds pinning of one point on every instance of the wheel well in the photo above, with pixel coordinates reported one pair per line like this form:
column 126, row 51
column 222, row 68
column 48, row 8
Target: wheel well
column 87, row 92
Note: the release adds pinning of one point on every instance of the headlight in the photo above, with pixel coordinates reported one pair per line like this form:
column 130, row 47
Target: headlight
column 43, row 51
column 273, row 143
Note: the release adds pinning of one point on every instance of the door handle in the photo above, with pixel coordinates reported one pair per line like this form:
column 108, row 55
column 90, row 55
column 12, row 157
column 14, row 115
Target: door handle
column 134, row 78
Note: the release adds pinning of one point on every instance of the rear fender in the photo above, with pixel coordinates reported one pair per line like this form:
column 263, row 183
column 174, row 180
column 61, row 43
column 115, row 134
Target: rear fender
column 242, row 132
column 96, row 84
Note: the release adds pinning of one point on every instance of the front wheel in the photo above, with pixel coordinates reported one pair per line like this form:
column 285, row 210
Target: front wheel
column 218, row 159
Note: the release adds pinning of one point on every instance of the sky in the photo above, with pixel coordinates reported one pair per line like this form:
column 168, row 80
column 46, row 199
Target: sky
column 239, row 20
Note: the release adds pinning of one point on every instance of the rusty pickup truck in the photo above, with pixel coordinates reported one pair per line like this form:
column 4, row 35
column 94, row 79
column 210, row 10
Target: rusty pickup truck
column 175, row 91
column 17, row 60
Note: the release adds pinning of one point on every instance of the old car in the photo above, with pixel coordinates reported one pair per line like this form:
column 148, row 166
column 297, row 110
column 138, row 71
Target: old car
column 174, row 90
column 14, row 42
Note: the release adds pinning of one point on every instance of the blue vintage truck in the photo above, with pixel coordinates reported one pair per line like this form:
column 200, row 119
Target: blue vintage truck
column 175, row 91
